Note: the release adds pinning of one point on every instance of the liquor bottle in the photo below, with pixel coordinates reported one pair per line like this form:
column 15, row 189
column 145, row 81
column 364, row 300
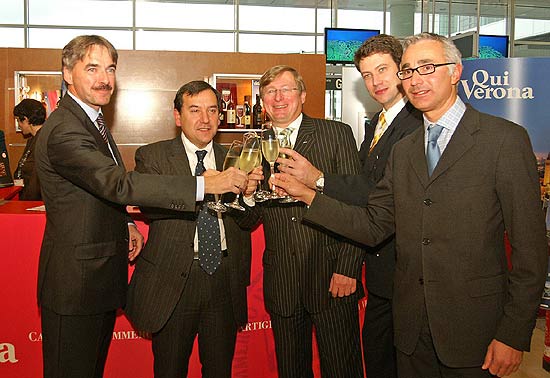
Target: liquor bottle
column 247, row 112
column 230, row 114
column 257, row 117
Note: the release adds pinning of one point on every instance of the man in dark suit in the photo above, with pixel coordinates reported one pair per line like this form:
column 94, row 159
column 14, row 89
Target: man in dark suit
column 82, row 273
column 310, row 277
column 458, row 310
column 171, row 295
column 378, row 61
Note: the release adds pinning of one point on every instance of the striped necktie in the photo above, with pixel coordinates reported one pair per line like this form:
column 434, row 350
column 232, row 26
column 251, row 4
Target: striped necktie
column 102, row 127
column 381, row 127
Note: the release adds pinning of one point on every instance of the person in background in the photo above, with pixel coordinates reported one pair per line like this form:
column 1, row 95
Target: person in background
column 89, row 237
column 378, row 61
column 173, row 294
column 450, row 191
column 30, row 115
column 310, row 277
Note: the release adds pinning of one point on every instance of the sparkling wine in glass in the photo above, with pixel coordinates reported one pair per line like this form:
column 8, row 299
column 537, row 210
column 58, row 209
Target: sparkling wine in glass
column 248, row 160
column 231, row 160
column 270, row 150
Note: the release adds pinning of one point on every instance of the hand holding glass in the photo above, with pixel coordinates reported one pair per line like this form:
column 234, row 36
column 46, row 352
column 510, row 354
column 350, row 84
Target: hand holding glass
column 247, row 162
column 231, row 160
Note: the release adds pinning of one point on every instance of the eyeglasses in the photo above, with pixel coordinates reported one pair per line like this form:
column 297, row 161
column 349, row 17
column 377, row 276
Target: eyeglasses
column 424, row 69
column 285, row 92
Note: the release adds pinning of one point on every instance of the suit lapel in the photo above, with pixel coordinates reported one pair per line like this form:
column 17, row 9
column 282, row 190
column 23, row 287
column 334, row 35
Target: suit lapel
column 417, row 157
column 178, row 158
column 306, row 136
column 219, row 154
column 460, row 142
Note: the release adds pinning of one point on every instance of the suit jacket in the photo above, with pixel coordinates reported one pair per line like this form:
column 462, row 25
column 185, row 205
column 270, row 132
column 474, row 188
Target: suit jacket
column 299, row 259
column 164, row 265
column 450, row 237
column 354, row 190
column 84, row 255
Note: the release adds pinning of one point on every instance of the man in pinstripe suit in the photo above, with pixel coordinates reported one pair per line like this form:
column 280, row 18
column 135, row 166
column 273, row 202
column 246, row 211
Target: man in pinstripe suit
column 173, row 294
column 310, row 277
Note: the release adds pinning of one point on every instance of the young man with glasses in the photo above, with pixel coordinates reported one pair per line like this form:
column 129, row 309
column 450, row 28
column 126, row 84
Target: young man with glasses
column 450, row 196
column 310, row 277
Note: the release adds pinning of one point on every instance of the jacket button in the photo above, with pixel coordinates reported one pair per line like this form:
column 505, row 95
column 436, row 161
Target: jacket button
column 421, row 281
column 426, row 241
column 294, row 219
column 428, row 202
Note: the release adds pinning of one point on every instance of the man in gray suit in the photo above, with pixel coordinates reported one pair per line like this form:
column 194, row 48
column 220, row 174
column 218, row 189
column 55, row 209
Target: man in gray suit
column 172, row 294
column 310, row 277
column 378, row 61
column 449, row 197
column 83, row 272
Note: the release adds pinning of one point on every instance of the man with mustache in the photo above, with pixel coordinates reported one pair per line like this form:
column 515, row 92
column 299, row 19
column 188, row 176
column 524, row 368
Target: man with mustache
column 89, row 237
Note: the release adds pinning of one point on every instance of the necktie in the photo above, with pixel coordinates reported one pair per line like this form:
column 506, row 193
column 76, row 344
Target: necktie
column 101, row 127
column 285, row 137
column 432, row 150
column 379, row 131
column 208, row 228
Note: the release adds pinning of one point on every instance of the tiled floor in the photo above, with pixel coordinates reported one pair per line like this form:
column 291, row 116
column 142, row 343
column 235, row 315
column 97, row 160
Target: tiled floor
column 532, row 361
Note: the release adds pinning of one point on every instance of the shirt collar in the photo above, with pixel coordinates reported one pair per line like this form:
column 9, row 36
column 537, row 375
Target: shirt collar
column 90, row 112
column 394, row 110
column 451, row 118
column 294, row 125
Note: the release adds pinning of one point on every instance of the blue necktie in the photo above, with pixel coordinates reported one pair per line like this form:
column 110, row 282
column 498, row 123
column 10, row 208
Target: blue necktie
column 208, row 228
column 432, row 151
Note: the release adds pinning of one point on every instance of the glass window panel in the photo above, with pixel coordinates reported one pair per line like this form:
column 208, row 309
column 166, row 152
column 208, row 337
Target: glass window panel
column 323, row 19
column 265, row 43
column 58, row 38
column 183, row 15
column 258, row 18
column 357, row 19
column 12, row 37
column 400, row 17
column 78, row 12
column 533, row 22
column 12, row 12
column 185, row 41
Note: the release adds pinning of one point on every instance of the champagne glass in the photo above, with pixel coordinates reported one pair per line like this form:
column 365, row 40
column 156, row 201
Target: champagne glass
column 231, row 160
column 247, row 162
column 284, row 141
column 262, row 195
column 270, row 150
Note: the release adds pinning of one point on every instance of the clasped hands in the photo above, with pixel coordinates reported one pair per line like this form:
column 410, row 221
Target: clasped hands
column 231, row 180
column 296, row 178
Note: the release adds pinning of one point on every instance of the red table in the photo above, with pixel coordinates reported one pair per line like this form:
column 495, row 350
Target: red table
column 130, row 355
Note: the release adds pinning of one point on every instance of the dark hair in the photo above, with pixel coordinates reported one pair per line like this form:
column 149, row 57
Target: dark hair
column 192, row 88
column 31, row 109
column 271, row 74
column 379, row 44
column 77, row 48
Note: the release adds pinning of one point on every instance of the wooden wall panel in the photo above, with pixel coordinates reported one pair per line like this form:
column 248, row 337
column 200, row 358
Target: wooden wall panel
column 140, row 111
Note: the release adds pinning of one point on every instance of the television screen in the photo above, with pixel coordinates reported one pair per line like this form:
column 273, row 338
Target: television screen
column 341, row 44
column 493, row 46
column 466, row 43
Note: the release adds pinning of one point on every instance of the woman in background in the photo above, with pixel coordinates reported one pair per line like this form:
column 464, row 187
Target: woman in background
column 30, row 115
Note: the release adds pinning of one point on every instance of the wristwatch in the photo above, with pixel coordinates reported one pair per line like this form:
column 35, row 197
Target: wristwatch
column 320, row 183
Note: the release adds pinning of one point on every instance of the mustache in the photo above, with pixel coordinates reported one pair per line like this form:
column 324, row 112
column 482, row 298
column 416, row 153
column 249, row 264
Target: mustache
column 103, row 87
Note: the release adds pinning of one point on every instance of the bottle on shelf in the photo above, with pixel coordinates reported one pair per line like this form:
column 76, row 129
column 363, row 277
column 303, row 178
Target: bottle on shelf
column 230, row 114
column 257, row 116
column 247, row 116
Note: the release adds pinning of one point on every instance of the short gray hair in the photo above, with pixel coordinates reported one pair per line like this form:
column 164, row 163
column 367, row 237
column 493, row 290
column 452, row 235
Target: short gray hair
column 451, row 52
